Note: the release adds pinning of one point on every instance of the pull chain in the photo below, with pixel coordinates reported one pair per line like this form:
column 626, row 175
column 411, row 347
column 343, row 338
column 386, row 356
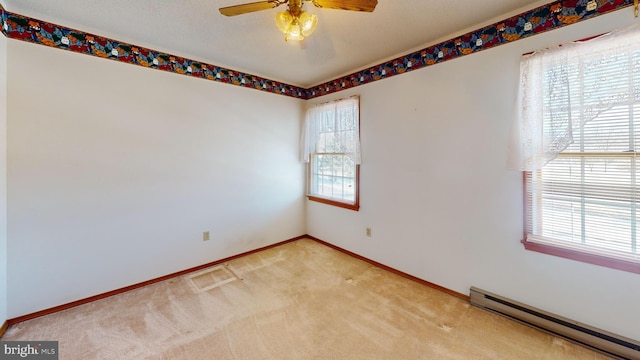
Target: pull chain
column 635, row 8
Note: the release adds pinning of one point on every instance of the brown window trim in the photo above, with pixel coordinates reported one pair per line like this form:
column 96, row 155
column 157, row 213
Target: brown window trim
column 589, row 258
column 355, row 206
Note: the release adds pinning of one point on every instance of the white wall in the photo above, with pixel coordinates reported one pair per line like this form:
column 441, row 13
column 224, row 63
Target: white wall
column 440, row 202
column 114, row 172
column 3, row 178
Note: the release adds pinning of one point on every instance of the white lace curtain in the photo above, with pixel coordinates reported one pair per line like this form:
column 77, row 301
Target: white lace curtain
column 563, row 88
column 332, row 128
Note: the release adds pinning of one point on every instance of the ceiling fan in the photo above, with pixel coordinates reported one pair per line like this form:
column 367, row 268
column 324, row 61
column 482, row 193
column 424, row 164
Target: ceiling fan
column 294, row 22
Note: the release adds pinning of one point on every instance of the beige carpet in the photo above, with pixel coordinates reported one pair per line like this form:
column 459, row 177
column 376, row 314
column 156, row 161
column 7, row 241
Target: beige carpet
column 301, row 300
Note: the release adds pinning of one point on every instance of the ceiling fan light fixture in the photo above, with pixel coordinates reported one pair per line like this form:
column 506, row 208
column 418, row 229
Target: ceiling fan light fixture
column 296, row 25
column 283, row 21
column 293, row 22
column 295, row 31
column 308, row 23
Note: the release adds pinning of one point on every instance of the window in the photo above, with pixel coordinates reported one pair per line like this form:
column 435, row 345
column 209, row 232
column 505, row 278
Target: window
column 580, row 132
column 331, row 146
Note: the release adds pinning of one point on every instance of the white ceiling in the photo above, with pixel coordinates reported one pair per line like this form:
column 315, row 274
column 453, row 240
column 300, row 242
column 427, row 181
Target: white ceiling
column 344, row 41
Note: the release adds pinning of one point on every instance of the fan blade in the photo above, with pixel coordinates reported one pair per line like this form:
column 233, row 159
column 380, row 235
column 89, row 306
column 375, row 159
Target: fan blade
column 247, row 8
column 354, row 5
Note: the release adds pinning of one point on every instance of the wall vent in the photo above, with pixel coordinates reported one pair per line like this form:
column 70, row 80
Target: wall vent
column 597, row 339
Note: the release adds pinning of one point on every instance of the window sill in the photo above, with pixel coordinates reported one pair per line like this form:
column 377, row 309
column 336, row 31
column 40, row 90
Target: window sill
column 344, row 205
column 589, row 258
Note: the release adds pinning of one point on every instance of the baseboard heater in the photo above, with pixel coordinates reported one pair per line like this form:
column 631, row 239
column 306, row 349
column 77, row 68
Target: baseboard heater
column 599, row 340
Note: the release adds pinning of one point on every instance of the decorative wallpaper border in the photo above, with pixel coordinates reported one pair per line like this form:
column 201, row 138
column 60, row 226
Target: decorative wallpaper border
column 20, row 27
column 544, row 18
column 3, row 15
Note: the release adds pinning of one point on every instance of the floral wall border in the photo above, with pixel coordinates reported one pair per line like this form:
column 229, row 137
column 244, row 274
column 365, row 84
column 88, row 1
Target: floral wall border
column 544, row 18
column 554, row 15
column 20, row 27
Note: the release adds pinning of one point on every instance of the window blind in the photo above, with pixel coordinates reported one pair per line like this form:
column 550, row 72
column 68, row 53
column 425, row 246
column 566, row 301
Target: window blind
column 585, row 197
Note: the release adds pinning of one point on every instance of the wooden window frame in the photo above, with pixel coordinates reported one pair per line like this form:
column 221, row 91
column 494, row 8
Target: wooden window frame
column 355, row 206
column 569, row 253
column 585, row 257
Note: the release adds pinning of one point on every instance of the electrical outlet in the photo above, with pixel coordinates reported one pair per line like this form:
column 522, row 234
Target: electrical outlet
column 369, row 232
column 205, row 236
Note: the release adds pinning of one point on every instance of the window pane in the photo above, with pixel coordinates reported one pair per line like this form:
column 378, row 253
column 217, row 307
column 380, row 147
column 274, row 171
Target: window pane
column 608, row 132
column 561, row 199
column 582, row 203
column 561, row 219
column 334, row 151
column 333, row 176
column 608, row 225
column 590, row 201
column 349, row 184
